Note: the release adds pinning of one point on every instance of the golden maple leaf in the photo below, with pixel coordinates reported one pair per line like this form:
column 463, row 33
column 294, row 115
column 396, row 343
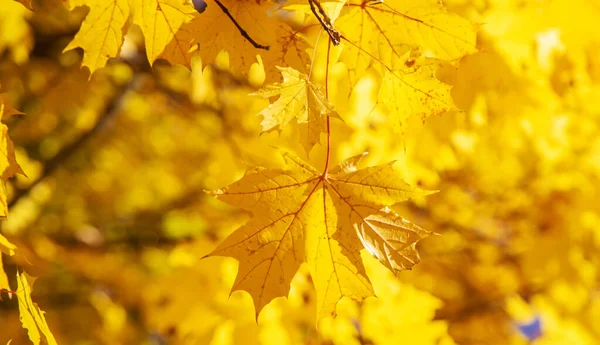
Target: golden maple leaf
column 8, row 163
column 6, row 247
column 101, row 33
column 172, row 28
column 9, row 249
column 385, row 31
column 160, row 21
column 32, row 317
column 325, row 219
column 214, row 31
column 413, row 91
column 298, row 98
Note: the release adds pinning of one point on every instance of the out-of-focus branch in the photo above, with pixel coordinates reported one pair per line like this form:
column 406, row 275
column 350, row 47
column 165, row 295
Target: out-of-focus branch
column 112, row 108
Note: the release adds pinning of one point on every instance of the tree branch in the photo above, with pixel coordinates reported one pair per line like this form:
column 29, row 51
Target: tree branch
column 50, row 166
column 325, row 21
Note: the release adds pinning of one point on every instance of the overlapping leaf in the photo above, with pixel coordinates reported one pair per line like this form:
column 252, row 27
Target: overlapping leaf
column 298, row 98
column 6, row 247
column 300, row 214
column 172, row 29
column 32, row 317
column 214, row 31
column 101, row 34
column 414, row 91
column 8, row 163
column 383, row 32
column 9, row 249
column 160, row 21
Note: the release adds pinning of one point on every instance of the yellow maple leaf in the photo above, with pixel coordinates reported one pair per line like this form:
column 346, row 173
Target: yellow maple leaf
column 214, row 30
column 386, row 31
column 6, row 247
column 3, row 277
column 102, row 32
column 413, row 91
column 32, row 317
column 160, row 21
column 325, row 219
column 298, row 98
column 9, row 249
column 172, row 29
column 8, row 163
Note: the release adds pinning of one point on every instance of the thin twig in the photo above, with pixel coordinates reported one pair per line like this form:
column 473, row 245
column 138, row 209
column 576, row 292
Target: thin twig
column 239, row 27
column 323, row 13
column 325, row 21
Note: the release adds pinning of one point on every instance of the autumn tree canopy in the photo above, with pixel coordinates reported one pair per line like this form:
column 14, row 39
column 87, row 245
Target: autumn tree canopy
column 299, row 172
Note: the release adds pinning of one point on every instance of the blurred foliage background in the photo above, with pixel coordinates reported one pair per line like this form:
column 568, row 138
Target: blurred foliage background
column 113, row 219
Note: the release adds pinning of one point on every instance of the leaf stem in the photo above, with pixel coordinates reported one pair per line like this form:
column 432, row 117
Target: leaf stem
column 328, row 155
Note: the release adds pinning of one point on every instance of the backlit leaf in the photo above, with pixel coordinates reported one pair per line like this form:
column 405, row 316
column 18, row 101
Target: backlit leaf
column 9, row 249
column 8, row 163
column 32, row 317
column 383, row 32
column 214, row 31
column 298, row 98
column 300, row 214
column 101, row 33
column 160, row 21
column 6, row 247
column 414, row 91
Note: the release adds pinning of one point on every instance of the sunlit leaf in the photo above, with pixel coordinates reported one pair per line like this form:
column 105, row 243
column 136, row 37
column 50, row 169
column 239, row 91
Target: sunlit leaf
column 382, row 32
column 297, row 98
column 8, row 163
column 32, row 317
column 160, row 21
column 101, row 33
column 413, row 91
column 300, row 214
column 214, row 30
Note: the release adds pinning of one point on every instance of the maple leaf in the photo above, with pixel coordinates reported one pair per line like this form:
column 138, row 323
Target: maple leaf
column 9, row 249
column 214, row 31
column 8, row 163
column 101, row 33
column 298, row 98
column 6, row 247
column 414, row 91
column 386, row 31
column 300, row 214
column 32, row 317
column 160, row 21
